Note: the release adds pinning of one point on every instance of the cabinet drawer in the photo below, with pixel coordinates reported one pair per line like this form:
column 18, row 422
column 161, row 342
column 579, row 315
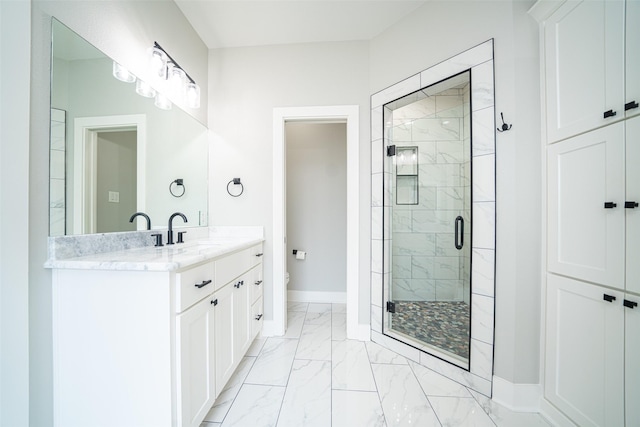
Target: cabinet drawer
column 194, row 284
column 256, row 283
column 255, row 255
column 232, row 266
column 257, row 318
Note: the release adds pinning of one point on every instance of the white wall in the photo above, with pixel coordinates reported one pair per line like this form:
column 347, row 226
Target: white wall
column 434, row 33
column 317, row 205
column 122, row 30
column 14, row 207
column 246, row 85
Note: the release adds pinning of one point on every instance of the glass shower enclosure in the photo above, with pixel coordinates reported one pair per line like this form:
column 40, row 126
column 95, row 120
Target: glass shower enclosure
column 428, row 159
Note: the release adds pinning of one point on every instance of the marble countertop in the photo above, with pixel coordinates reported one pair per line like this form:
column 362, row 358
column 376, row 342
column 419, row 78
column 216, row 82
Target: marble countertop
column 151, row 258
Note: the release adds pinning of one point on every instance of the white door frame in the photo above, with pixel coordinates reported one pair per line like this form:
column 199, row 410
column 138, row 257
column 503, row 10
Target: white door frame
column 350, row 114
column 84, row 157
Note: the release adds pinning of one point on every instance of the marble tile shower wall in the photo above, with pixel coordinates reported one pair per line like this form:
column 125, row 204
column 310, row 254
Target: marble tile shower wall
column 426, row 265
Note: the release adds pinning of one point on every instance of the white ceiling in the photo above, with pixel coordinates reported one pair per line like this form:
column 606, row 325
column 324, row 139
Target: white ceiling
column 237, row 23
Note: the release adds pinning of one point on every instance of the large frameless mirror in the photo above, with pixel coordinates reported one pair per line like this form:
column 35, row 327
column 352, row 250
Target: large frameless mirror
column 113, row 152
column 428, row 137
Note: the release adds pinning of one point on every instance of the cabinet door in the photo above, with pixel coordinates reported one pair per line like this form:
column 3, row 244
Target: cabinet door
column 195, row 362
column 241, row 306
column 632, row 144
column 224, row 352
column 632, row 362
column 584, row 352
column 632, row 59
column 586, row 240
column 584, row 66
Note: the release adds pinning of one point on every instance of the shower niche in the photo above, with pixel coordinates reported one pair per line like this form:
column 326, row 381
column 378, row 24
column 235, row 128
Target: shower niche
column 433, row 217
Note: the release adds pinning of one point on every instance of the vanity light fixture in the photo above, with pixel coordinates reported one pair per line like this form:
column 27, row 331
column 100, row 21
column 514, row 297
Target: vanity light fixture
column 143, row 88
column 122, row 74
column 179, row 83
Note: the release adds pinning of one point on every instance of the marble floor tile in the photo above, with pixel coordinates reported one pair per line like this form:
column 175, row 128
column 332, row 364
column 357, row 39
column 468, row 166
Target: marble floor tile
column 227, row 396
column 434, row 384
column 350, row 367
column 338, row 326
column 256, row 346
column 295, row 320
column 403, row 402
column 317, row 307
column 338, row 308
column 460, row 411
column 315, row 341
column 255, row 406
column 307, row 401
column 297, row 306
column 317, row 317
column 356, row 409
column 379, row 354
column 323, row 379
column 273, row 365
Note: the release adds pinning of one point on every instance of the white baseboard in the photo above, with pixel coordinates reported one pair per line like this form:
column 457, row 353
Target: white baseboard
column 316, row 296
column 517, row 397
column 553, row 415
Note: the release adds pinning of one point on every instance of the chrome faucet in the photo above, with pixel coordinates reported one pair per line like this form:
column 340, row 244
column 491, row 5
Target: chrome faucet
column 170, row 232
column 144, row 215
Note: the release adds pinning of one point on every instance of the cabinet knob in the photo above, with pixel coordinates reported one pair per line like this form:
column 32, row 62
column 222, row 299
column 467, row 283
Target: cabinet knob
column 609, row 113
column 631, row 105
column 214, row 302
column 610, row 205
column 630, row 304
column 258, row 283
column 630, row 205
column 609, row 298
column 259, row 316
column 203, row 284
column 259, row 255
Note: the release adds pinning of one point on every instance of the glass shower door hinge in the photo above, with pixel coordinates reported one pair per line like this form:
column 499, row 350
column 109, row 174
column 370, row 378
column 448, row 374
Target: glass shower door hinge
column 391, row 150
column 391, row 307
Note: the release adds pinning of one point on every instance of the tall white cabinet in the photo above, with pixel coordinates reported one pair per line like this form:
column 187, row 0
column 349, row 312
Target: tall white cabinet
column 590, row 54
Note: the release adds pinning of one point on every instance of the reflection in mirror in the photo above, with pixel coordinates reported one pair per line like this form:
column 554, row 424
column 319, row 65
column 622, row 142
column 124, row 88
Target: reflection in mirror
column 112, row 152
column 430, row 189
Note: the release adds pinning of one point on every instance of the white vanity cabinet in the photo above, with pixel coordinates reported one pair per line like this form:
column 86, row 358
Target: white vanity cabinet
column 150, row 348
column 590, row 55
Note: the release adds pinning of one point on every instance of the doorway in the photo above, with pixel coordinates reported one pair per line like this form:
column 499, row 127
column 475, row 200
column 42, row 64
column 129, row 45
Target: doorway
column 316, row 199
column 281, row 116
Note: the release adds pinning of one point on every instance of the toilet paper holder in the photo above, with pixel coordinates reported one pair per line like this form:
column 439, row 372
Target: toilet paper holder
column 300, row 254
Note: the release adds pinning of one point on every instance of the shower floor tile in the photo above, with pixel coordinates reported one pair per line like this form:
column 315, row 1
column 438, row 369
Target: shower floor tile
column 443, row 324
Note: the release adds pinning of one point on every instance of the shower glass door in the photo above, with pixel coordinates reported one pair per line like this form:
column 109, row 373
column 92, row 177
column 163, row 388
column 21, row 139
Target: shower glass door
column 428, row 165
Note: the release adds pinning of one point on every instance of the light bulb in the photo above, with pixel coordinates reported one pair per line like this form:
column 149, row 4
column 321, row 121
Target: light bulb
column 122, row 74
column 143, row 88
column 157, row 62
column 162, row 102
column 176, row 82
column 193, row 95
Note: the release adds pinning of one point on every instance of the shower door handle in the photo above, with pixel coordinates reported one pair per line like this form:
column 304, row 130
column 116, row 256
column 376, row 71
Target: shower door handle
column 459, row 232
